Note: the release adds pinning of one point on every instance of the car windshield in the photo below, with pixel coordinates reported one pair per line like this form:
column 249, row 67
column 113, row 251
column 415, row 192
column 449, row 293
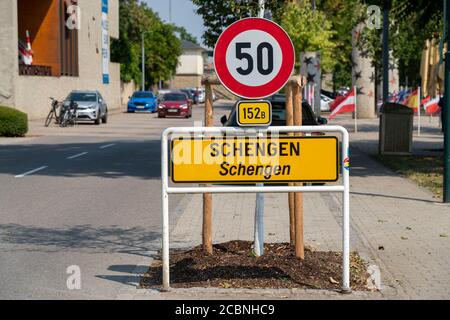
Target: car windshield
column 174, row 97
column 143, row 95
column 82, row 96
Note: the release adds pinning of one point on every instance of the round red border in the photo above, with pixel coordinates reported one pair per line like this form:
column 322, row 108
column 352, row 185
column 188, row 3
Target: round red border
column 254, row 92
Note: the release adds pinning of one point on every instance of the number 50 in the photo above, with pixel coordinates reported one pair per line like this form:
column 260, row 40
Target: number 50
column 259, row 58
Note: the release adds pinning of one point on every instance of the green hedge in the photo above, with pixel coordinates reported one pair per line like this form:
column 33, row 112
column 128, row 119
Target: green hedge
column 13, row 123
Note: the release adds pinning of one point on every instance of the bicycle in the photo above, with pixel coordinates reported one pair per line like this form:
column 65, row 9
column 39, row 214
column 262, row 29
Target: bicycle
column 68, row 115
column 53, row 112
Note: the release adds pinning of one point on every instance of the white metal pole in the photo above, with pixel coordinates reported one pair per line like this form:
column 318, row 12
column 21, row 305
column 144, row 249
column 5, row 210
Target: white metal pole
column 356, row 108
column 418, row 111
column 259, row 206
column 143, row 62
column 346, row 213
column 165, row 214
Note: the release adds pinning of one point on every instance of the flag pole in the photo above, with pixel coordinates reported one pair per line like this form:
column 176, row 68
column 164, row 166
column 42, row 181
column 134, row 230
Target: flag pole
column 418, row 111
column 356, row 108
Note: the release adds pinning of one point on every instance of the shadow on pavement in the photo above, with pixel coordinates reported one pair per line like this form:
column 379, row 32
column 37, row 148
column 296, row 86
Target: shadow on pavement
column 127, row 158
column 131, row 277
column 81, row 238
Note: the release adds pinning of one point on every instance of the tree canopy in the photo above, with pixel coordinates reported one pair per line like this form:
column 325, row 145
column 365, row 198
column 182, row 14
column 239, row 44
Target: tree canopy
column 162, row 46
column 326, row 26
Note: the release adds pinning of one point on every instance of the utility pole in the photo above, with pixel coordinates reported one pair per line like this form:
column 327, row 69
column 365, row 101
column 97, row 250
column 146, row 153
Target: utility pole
column 386, row 7
column 143, row 62
column 446, row 113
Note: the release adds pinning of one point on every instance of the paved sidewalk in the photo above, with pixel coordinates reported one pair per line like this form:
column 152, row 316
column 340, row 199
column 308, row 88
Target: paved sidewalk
column 395, row 225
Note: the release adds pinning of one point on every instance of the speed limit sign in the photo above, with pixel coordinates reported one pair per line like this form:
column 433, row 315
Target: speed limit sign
column 254, row 58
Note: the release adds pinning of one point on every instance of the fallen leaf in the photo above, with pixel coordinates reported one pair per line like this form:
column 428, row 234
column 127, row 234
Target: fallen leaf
column 408, row 228
column 443, row 235
column 333, row 281
column 381, row 248
column 404, row 238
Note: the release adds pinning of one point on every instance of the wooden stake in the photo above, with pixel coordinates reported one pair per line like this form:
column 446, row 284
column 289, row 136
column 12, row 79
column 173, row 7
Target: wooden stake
column 298, row 197
column 290, row 122
column 207, row 197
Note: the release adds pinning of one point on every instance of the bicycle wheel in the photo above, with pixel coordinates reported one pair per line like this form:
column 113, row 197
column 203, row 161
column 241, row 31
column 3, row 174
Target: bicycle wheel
column 49, row 118
column 64, row 120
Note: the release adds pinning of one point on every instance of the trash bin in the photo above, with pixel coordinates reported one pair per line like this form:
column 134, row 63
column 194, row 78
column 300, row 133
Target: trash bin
column 396, row 129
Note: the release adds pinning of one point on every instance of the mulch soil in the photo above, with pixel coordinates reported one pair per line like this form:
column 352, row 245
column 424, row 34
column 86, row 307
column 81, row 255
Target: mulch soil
column 233, row 265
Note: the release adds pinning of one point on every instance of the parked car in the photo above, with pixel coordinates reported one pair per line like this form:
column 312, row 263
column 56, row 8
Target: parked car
column 175, row 104
column 142, row 101
column 189, row 93
column 278, row 102
column 91, row 106
column 162, row 92
column 325, row 103
column 201, row 95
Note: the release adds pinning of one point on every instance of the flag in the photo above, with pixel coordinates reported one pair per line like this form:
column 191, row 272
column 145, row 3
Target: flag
column 25, row 51
column 343, row 105
column 336, row 102
column 393, row 97
column 431, row 106
column 412, row 101
column 402, row 95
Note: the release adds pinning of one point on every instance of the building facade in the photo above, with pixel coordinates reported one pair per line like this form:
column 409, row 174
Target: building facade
column 70, row 42
column 190, row 67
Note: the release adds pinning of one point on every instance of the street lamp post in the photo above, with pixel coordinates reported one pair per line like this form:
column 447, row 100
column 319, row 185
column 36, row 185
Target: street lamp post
column 143, row 62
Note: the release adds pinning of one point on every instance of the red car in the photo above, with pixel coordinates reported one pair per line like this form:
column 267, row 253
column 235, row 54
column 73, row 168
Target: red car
column 175, row 104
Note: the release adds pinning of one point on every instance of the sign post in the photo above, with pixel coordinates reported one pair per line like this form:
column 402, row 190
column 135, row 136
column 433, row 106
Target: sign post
column 290, row 158
column 254, row 58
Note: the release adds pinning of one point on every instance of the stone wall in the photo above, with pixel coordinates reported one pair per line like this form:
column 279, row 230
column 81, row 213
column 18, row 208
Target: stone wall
column 187, row 81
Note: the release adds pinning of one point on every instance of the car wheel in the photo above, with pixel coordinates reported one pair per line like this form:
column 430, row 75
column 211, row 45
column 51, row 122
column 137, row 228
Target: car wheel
column 105, row 117
column 160, row 116
column 98, row 120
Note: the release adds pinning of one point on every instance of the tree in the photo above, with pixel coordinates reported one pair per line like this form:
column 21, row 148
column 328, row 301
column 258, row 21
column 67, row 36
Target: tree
column 309, row 31
column 183, row 34
column 411, row 23
column 162, row 46
column 217, row 15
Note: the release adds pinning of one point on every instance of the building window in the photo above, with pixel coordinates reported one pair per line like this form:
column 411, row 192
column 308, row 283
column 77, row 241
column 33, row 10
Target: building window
column 42, row 28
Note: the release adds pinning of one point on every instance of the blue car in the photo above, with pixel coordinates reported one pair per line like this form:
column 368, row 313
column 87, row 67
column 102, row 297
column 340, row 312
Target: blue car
column 143, row 101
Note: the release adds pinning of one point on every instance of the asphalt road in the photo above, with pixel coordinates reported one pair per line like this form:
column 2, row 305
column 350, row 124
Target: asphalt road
column 87, row 196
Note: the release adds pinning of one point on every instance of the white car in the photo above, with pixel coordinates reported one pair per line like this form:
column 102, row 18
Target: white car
column 325, row 103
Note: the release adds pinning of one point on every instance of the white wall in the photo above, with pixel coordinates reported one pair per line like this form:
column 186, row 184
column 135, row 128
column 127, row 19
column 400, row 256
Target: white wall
column 190, row 63
column 31, row 93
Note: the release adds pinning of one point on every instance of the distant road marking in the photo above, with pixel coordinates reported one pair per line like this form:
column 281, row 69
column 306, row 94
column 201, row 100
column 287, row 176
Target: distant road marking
column 76, row 156
column 107, row 146
column 31, row 172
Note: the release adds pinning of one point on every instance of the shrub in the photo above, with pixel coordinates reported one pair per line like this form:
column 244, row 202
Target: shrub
column 13, row 123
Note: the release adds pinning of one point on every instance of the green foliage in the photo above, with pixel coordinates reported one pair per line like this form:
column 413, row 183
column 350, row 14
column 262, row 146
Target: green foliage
column 343, row 15
column 13, row 123
column 217, row 15
column 183, row 34
column 310, row 31
column 162, row 47
column 411, row 24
